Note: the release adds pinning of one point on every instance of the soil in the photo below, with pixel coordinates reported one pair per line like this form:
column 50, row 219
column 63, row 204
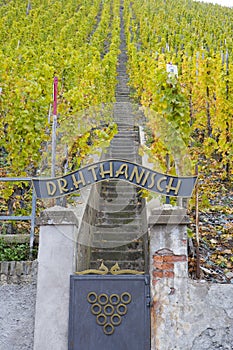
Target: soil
column 215, row 232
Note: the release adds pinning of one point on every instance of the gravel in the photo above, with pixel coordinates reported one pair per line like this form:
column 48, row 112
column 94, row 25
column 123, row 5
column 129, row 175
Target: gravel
column 17, row 316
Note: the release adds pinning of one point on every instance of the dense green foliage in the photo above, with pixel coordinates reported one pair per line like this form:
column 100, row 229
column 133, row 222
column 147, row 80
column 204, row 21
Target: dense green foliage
column 198, row 39
column 77, row 41
column 15, row 251
column 74, row 40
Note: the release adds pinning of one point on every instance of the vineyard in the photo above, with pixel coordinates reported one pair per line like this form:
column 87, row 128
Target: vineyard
column 188, row 115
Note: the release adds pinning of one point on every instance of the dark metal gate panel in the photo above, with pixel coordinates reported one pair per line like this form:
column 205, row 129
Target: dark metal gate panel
column 109, row 313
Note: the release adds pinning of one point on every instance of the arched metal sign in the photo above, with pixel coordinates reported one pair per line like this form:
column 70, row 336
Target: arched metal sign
column 136, row 174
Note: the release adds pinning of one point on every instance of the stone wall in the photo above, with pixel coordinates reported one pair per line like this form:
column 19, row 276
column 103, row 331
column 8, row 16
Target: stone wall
column 18, row 271
column 17, row 304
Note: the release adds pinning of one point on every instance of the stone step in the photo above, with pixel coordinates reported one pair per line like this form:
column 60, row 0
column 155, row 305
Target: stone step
column 133, row 246
column 122, row 151
column 123, row 196
column 100, row 244
column 118, row 214
column 122, row 147
column 111, row 222
column 119, row 227
column 123, row 144
column 122, row 95
column 110, row 245
column 118, row 140
column 117, row 183
column 121, row 201
column 128, row 137
column 116, row 222
column 129, row 232
column 133, row 132
column 107, row 214
column 111, row 207
column 126, row 133
column 125, row 126
column 115, row 255
column 126, row 192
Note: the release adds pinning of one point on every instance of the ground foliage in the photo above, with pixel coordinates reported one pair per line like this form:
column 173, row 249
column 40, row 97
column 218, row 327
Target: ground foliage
column 16, row 251
column 215, row 231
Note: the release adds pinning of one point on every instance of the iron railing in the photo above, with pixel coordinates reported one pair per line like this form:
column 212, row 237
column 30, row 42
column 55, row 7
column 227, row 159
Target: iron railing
column 31, row 217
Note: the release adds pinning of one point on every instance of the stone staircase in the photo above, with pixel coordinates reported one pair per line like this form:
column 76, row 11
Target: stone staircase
column 120, row 230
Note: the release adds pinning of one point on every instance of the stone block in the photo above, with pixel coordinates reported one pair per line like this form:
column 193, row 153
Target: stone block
column 58, row 216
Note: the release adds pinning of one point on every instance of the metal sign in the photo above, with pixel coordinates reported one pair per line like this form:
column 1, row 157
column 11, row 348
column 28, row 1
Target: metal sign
column 109, row 313
column 136, row 174
column 172, row 69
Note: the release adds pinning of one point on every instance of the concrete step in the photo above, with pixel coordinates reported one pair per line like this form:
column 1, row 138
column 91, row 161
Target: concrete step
column 134, row 246
column 119, row 227
column 128, row 232
column 111, row 221
column 116, row 255
column 127, row 135
column 109, row 212
column 115, row 207
column 123, row 148
column 124, row 197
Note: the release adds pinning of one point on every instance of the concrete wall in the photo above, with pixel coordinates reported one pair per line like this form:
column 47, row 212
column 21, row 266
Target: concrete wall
column 185, row 315
column 58, row 236
column 192, row 316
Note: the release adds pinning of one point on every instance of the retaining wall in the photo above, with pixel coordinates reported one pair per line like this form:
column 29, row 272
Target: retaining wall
column 17, row 304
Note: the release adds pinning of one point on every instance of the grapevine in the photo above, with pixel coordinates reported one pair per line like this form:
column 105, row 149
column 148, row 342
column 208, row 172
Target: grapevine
column 191, row 37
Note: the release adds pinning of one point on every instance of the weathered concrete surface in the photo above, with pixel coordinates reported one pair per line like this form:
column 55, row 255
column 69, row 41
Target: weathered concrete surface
column 192, row 316
column 58, row 236
column 210, row 316
column 17, row 309
column 185, row 315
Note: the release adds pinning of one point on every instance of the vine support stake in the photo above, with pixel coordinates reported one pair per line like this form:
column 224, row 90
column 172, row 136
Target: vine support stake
column 54, row 127
column 197, row 226
column 33, row 217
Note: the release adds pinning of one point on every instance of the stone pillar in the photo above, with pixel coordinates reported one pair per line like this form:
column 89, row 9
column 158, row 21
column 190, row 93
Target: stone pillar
column 56, row 257
column 169, row 273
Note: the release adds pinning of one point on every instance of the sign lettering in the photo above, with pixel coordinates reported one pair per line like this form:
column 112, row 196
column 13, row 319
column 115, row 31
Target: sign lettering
column 136, row 174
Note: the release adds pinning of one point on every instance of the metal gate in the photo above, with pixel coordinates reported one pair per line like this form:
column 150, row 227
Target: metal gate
column 109, row 313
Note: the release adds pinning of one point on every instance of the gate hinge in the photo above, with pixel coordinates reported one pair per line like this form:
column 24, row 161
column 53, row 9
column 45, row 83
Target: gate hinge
column 148, row 300
column 147, row 280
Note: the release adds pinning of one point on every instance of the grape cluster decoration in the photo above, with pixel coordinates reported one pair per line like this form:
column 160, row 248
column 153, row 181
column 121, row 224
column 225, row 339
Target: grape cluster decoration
column 109, row 309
